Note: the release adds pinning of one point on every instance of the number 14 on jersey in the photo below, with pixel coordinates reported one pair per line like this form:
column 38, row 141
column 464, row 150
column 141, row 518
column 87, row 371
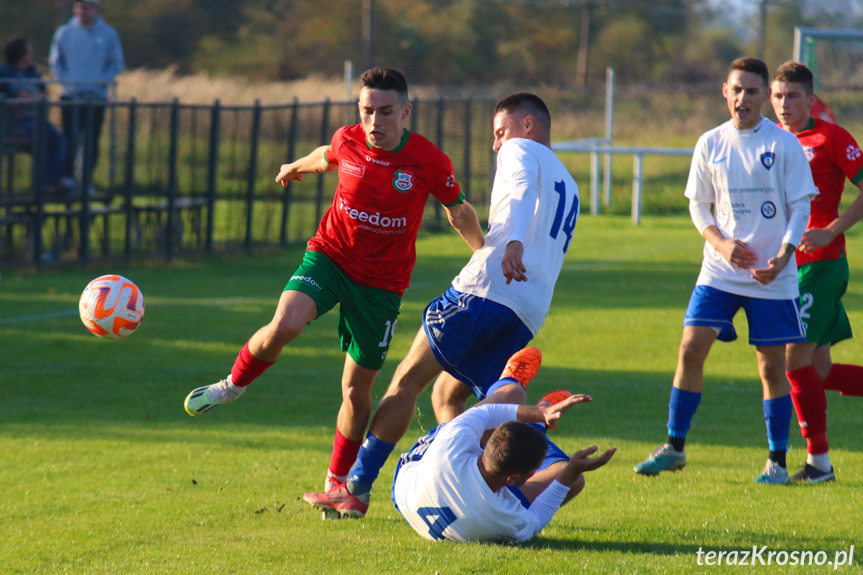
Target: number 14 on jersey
column 568, row 222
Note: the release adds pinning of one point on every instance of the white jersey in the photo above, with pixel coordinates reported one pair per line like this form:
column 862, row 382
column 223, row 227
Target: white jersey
column 534, row 200
column 750, row 177
column 444, row 495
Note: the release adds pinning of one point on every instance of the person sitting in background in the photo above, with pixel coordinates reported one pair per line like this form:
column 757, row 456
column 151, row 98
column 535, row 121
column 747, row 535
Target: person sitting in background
column 19, row 79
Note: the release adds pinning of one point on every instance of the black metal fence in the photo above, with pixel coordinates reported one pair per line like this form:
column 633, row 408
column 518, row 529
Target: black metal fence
column 175, row 179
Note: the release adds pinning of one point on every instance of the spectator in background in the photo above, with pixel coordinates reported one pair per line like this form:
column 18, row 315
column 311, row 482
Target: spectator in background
column 86, row 56
column 20, row 80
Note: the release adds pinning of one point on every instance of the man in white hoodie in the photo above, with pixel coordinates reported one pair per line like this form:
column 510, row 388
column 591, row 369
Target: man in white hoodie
column 86, row 56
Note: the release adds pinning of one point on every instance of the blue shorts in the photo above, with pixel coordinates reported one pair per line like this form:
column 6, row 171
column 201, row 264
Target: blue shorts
column 472, row 337
column 771, row 321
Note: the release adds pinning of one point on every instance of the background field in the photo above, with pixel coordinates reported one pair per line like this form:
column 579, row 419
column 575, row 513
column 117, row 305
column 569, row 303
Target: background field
column 103, row 472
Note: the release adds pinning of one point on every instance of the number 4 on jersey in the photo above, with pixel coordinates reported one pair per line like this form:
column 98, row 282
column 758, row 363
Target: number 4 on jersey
column 443, row 518
column 569, row 222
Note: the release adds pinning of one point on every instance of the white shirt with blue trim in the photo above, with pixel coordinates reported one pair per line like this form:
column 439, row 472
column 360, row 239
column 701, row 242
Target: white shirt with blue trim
column 752, row 178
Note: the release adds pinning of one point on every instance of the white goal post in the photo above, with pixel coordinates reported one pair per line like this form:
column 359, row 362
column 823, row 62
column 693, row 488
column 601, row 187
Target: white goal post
column 805, row 40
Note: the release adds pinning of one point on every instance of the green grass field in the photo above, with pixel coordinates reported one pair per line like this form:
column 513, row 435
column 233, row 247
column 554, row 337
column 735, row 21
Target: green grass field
column 103, row 472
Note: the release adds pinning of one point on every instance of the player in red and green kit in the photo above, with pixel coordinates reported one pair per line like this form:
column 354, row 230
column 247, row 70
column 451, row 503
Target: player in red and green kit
column 361, row 256
column 823, row 268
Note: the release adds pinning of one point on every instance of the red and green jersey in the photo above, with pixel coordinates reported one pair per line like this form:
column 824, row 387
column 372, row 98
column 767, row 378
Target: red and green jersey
column 833, row 156
column 370, row 230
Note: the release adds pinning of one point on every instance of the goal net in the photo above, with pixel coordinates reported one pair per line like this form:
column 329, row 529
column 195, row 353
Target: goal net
column 834, row 56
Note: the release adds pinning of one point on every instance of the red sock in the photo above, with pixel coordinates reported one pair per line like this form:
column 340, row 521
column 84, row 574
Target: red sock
column 247, row 367
column 846, row 379
column 810, row 403
column 344, row 454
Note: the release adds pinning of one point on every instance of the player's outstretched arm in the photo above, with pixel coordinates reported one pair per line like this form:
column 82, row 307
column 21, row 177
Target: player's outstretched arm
column 580, row 462
column 315, row 163
column 549, row 414
column 462, row 217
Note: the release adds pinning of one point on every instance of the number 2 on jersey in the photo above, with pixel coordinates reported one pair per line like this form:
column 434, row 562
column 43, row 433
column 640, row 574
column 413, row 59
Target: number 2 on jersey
column 568, row 223
column 443, row 518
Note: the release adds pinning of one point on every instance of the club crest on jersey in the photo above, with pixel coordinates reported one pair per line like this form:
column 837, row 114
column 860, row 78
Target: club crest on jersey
column 403, row 181
column 852, row 153
column 809, row 151
column 768, row 210
column 767, row 159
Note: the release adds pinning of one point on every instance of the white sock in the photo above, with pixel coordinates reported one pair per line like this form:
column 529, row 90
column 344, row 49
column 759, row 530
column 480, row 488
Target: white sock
column 820, row 461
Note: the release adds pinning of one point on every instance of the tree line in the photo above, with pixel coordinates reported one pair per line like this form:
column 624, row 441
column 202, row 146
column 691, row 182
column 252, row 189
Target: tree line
column 443, row 42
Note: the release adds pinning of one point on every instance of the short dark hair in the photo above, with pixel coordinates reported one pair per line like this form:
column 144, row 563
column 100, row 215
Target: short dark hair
column 514, row 447
column 797, row 73
column 385, row 79
column 16, row 48
column 527, row 103
column 753, row 65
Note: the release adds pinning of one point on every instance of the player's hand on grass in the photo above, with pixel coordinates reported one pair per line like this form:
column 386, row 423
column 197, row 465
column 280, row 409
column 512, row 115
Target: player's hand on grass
column 580, row 462
column 512, row 264
column 815, row 239
column 553, row 412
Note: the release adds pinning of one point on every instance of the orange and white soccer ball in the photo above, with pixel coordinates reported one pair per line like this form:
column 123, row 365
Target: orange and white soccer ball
column 111, row 307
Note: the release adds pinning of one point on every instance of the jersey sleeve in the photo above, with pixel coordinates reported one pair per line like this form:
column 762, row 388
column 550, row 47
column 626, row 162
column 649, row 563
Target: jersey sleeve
column 541, row 511
column 442, row 182
column 798, row 175
column 331, row 153
column 848, row 155
column 483, row 417
column 520, row 170
column 699, row 186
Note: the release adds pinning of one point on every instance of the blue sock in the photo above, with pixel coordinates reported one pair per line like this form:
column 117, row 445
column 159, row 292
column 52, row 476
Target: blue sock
column 500, row 383
column 777, row 417
column 372, row 456
column 681, row 407
column 553, row 453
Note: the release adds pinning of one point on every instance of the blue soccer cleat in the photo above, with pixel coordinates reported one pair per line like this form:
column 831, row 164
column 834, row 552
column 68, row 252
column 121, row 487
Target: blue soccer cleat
column 773, row 474
column 664, row 458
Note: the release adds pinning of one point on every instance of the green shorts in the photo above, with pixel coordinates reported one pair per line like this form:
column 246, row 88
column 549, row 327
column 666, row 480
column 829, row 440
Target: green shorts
column 367, row 315
column 822, row 285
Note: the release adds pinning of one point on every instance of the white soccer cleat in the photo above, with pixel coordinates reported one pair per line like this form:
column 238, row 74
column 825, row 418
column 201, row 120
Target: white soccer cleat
column 205, row 398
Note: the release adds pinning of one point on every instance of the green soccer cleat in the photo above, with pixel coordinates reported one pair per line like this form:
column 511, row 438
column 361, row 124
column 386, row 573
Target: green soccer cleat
column 203, row 399
column 773, row 474
column 664, row 458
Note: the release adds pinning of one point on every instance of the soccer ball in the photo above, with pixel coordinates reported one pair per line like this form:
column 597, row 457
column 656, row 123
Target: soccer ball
column 111, row 307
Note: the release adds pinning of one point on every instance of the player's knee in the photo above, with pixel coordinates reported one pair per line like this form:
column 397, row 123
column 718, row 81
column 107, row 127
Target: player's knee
column 405, row 382
column 692, row 354
column 773, row 375
column 576, row 488
column 513, row 394
column 357, row 396
column 280, row 333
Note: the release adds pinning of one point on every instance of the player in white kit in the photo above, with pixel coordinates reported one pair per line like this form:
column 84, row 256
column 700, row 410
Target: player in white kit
column 497, row 303
column 450, row 486
column 760, row 185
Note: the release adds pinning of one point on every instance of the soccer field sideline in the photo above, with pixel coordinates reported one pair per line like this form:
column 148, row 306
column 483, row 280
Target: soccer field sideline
column 105, row 473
